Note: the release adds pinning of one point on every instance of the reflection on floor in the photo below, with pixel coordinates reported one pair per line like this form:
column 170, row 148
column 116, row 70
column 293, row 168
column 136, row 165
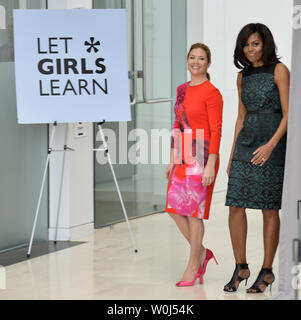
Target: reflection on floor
column 137, row 201
column 37, row 250
column 106, row 267
column 107, row 211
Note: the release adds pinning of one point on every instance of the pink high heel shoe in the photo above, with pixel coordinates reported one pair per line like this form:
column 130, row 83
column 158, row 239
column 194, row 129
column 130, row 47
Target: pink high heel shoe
column 202, row 269
column 188, row 283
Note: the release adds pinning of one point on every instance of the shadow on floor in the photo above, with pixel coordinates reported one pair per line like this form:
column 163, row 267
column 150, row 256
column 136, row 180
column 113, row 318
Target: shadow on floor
column 45, row 247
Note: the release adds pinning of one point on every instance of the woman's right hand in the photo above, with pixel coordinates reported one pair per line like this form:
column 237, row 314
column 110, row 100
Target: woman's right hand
column 168, row 171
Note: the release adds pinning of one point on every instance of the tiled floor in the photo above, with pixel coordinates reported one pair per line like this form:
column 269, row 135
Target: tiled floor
column 106, row 267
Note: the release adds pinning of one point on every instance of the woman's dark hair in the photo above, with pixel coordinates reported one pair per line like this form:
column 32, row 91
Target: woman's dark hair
column 269, row 47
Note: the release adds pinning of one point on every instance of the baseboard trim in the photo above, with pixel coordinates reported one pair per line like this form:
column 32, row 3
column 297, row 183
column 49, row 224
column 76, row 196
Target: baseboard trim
column 72, row 233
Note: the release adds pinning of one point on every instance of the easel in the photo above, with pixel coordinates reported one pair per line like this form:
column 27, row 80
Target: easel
column 66, row 148
column 106, row 150
column 50, row 150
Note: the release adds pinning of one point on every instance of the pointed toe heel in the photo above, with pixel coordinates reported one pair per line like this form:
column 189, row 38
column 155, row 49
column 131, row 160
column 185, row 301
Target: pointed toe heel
column 202, row 269
column 188, row 283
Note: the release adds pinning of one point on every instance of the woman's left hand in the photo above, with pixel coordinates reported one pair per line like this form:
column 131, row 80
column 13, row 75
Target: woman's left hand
column 262, row 154
column 208, row 175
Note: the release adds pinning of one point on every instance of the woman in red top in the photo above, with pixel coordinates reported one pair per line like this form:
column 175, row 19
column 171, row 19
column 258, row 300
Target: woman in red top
column 194, row 159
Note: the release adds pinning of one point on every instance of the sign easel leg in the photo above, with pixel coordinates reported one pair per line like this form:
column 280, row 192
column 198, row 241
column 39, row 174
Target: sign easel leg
column 42, row 188
column 116, row 183
column 61, row 182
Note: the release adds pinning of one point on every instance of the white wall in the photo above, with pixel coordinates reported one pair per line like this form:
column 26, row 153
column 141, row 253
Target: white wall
column 217, row 24
column 76, row 217
column 194, row 21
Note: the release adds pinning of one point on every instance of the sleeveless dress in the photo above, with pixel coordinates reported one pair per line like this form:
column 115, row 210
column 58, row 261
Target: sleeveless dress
column 196, row 133
column 255, row 186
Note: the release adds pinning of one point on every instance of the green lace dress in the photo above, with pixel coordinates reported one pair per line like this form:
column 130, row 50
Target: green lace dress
column 255, row 186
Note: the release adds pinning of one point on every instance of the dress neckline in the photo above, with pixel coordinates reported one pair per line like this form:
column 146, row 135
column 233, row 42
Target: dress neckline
column 257, row 67
column 197, row 85
column 265, row 65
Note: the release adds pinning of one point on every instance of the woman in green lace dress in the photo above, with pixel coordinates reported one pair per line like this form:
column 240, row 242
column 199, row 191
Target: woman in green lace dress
column 256, row 165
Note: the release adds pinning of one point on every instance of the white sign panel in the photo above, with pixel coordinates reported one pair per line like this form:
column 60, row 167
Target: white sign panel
column 71, row 65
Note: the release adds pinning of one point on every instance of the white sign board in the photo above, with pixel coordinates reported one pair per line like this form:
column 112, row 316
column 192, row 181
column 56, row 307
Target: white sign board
column 71, row 65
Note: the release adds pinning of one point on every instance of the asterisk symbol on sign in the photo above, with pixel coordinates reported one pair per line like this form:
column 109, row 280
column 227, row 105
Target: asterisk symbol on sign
column 92, row 45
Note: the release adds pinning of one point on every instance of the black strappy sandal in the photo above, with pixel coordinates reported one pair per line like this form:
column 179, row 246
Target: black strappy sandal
column 230, row 287
column 260, row 280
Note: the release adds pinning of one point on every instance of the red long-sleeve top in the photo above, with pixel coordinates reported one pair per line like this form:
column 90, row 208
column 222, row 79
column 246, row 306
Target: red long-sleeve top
column 203, row 107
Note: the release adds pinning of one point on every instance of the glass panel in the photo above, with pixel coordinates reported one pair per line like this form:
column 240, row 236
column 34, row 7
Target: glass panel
column 150, row 178
column 23, row 148
column 142, row 183
column 107, row 205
